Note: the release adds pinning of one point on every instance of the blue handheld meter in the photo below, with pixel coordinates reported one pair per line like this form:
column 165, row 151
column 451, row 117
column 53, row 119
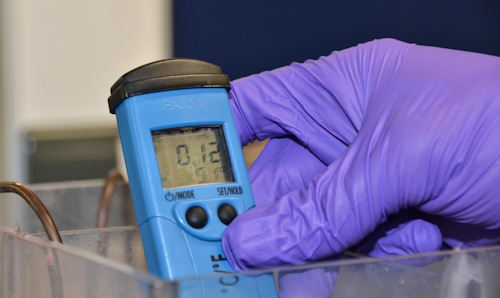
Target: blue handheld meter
column 186, row 170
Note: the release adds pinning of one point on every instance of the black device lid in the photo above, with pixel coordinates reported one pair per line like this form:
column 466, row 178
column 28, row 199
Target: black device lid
column 165, row 75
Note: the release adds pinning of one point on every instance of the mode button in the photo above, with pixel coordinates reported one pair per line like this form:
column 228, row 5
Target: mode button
column 196, row 217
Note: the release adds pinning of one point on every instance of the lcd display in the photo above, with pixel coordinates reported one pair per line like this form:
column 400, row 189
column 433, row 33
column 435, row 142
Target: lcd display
column 190, row 156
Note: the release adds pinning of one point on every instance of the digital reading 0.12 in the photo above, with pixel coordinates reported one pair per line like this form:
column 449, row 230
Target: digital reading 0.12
column 192, row 156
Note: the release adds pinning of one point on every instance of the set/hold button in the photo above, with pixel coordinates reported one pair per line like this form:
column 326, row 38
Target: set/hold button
column 226, row 213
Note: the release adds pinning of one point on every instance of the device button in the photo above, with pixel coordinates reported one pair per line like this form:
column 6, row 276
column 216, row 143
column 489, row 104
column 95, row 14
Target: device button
column 196, row 217
column 226, row 213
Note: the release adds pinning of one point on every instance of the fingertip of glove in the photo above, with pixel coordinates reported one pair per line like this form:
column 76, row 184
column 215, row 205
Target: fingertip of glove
column 228, row 252
column 426, row 236
column 413, row 237
column 250, row 241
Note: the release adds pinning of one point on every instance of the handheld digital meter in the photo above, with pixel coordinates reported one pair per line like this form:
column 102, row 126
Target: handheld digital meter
column 186, row 171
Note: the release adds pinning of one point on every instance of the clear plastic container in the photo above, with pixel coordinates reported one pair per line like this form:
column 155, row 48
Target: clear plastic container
column 109, row 262
column 120, row 244
column 33, row 267
column 72, row 205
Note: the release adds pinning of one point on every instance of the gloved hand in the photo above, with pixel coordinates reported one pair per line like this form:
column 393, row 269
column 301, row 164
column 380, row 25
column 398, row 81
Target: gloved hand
column 360, row 135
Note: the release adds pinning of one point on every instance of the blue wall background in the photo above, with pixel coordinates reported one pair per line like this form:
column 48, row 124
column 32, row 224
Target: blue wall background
column 249, row 36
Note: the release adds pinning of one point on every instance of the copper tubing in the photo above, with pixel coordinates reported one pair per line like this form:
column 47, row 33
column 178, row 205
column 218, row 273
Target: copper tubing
column 107, row 192
column 35, row 204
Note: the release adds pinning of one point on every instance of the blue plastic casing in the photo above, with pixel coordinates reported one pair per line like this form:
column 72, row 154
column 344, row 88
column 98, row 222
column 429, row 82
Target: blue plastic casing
column 173, row 248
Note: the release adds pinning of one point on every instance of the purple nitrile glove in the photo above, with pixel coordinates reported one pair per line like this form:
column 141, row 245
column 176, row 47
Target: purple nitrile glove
column 395, row 237
column 272, row 182
column 395, row 125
